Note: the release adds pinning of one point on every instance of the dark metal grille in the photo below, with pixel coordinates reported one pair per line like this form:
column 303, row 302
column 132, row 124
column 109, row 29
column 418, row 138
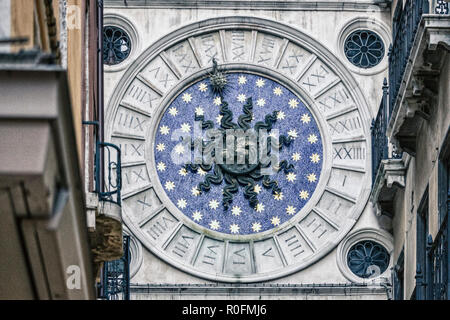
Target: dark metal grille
column 116, row 45
column 398, row 277
column 367, row 259
column 364, row 48
column 113, row 179
column 406, row 22
column 116, row 276
column 441, row 7
column 438, row 259
column 380, row 143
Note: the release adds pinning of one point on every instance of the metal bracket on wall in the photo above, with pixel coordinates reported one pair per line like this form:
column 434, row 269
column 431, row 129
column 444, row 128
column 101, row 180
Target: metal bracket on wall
column 113, row 185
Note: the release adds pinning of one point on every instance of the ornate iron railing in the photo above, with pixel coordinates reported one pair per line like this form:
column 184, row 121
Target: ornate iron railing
column 380, row 143
column 440, row 7
column 405, row 23
column 438, row 260
column 398, row 277
column 115, row 282
column 113, row 178
column 111, row 187
column 380, row 149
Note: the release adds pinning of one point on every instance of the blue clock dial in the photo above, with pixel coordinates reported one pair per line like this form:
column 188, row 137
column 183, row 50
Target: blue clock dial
column 239, row 197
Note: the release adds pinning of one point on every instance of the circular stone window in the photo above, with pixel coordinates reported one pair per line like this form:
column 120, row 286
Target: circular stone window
column 367, row 259
column 116, row 45
column 364, row 48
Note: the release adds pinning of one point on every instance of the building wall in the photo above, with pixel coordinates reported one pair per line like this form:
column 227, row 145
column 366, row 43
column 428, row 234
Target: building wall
column 65, row 240
column 422, row 172
column 153, row 23
column 25, row 21
column 76, row 65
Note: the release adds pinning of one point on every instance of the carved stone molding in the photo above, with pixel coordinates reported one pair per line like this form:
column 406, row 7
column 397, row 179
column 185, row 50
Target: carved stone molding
column 390, row 177
column 437, row 31
column 418, row 92
column 369, row 5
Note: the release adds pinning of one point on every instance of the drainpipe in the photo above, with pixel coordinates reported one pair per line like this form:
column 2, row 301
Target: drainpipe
column 100, row 102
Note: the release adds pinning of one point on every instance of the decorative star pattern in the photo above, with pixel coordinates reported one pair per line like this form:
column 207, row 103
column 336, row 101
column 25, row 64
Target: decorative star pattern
column 273, row 209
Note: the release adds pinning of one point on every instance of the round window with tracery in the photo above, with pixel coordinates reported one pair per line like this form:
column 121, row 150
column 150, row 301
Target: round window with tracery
column 364, row 49
column 116, row 45
column 367, row 259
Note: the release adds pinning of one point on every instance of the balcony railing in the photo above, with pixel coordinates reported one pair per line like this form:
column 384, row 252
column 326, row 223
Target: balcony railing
column 113, row 184
column 380, row 143
column 405, row 23
column 110, row 153
column 115, row 282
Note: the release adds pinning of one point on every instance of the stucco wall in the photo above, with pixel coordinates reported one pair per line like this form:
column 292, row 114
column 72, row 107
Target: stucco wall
column 422, row 173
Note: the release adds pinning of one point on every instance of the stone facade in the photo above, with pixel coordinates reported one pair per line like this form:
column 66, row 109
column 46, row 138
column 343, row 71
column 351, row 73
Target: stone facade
column 156, row 29
column 412, row 191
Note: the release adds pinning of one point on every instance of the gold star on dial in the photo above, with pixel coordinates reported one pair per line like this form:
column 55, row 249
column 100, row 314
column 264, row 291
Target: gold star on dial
column 202, row 87
column 293, row 103
column 306, row 118
column 181, row 203
column 256, row 227
column 242, row 80
column 275, row 221
column 315, row 158
column 173, row 111
column 161, row 166
column 292, row 133
column 277, row 91
column 312, row 138
column 161, row 147
column 261, row 102
column 304, row 195
column 290, row 210
column 280, row 115
column 278, row 195
column 234, row 228
column 295, row 156
column 291, row 177
column 260, row 83
column 214, row 225
column 236, row 211
column 197, row 216
column 199, row 111
column 259, row 207
column 311, row 177
column 179, row 149
column 195, row 191
column 241, row 97
column 217, row 101
column 169, row 185
column 186, row 127
column 214, row 204
column 187, row 97
column 164, row 130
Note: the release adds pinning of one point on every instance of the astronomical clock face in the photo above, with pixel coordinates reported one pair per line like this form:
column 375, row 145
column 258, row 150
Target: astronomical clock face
column 244, row 151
